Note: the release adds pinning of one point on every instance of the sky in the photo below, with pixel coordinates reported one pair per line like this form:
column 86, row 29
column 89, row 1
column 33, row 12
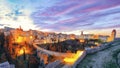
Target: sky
column 66, row 16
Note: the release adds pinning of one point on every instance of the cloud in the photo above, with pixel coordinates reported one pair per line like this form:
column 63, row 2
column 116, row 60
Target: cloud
column 80, row 14
column 61, row 15
column 15, row 17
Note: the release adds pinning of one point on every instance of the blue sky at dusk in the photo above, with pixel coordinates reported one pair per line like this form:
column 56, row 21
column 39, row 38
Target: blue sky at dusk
column 68, row 16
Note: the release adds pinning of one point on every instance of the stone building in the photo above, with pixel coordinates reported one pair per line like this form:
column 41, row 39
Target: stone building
column 104, row 38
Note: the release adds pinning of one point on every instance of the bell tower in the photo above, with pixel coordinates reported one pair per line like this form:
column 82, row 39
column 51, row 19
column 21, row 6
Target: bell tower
column 113, row 34
column 82, row 33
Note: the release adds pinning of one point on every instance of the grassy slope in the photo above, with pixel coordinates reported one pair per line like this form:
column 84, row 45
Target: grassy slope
column 103, row 59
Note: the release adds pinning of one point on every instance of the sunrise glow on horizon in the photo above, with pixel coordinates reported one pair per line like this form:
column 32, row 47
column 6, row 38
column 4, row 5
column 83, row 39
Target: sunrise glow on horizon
column 66, row 16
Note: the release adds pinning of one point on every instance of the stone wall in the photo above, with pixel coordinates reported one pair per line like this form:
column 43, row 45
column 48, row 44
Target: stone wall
column 91, row 51
column 101, row 47
column 79, row 59
column 88, row 51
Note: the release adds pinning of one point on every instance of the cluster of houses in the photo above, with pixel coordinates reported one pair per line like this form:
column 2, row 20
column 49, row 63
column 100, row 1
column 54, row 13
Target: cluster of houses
column 24, row 38
column 104, row 38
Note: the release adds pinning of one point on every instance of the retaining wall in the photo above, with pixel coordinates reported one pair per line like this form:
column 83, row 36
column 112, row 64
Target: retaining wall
column 79, row 59
column 91, row 51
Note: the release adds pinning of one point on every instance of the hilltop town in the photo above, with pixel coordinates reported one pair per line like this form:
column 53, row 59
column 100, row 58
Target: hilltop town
column 36, row 49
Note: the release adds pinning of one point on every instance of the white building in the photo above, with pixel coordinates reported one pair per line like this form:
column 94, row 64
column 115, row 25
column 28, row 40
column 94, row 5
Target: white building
column 6, row 65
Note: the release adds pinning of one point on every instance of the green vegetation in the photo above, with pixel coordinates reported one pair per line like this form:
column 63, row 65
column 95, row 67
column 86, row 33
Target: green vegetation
column 115, row 53
column 110, row 64
column 87, row 62
column 106, row 58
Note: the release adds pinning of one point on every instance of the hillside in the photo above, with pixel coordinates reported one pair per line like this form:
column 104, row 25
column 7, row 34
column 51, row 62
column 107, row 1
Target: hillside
column 107, row 58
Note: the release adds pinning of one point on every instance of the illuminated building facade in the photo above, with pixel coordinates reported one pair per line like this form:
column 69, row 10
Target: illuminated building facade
column 19, row 42
column 104, row 38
